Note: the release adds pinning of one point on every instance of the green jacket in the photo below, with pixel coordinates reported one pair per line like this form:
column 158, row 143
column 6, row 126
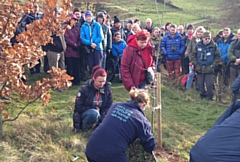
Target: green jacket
column 234, row 44
column 156, row 42
column 191, row 46
column 206, row 69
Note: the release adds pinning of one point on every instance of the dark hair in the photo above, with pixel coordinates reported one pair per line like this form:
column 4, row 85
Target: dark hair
column 116, row 33
column 98, row 71
column 173, row 26
column 136, row 20
column 142, row 35
column 167, row 25
column 76, row 10
column 190, row 26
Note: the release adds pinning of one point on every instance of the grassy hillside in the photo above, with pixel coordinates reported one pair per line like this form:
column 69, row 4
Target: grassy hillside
column 190, row 10
column 44, row 133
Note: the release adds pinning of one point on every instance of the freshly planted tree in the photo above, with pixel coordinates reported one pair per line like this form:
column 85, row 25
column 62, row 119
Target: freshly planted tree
column 27, row 52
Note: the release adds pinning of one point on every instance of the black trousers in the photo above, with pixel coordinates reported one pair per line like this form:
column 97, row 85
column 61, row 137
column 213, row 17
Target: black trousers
column 73, row 68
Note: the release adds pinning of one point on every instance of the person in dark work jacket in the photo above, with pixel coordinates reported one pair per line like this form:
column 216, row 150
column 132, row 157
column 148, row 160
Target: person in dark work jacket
column 92, row 101
column 123, row 124
column 205, row 57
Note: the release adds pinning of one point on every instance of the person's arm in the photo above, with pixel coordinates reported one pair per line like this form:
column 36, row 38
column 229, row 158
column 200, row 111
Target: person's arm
column 193, row 56
column 126, row 62
column 99, row 33
column 108, row 101
column 83, row 36
column 163, row 46
column 109, row 39
column 146, row 137
column 68, row 39
column 236, row 86
column 114, row 50
column 182, row 46
column 216, row 57
column 231, row 56
column 79, row 101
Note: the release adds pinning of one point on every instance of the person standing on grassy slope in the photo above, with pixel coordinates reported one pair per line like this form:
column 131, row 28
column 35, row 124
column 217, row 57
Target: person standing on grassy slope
column 173, row 47
column 107, row 38
column 91, row 35
column 205, row 58
column 124, row 123
column 137, row 57
column 234, row 58
column 92, row 101
column 117, row 27
column 149, row 26
column 156, row 40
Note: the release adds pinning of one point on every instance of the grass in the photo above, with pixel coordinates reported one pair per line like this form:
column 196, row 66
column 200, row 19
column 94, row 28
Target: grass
column 44, row 133
column 192, row 10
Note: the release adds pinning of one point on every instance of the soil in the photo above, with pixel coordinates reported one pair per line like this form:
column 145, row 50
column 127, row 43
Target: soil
column 168, row 154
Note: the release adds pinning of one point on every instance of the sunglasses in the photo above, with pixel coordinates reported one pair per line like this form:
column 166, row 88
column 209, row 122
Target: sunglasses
column 207, row 38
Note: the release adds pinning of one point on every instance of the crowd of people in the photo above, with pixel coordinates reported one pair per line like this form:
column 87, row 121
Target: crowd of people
column 89, row 40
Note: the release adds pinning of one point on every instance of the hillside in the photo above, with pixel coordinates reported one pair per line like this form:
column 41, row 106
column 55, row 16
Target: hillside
column 177, row 11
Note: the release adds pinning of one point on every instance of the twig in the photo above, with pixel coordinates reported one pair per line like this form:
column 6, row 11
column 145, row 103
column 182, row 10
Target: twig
column 7, row 120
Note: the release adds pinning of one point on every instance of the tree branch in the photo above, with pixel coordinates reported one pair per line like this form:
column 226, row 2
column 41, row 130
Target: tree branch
column 8, row 120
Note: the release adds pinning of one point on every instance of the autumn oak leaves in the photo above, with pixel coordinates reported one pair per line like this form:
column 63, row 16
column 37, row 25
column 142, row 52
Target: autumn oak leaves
column 28, row 49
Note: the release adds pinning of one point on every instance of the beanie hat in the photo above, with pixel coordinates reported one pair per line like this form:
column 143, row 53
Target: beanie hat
column 190, row 26
column 206, row 34
column 116, row 19
column 88, row 13
column 104, row 12
column 100, row 14
column 130, row 21
column 72, row 16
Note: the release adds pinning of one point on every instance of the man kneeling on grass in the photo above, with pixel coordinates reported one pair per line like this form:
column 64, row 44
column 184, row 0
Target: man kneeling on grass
column 92, row 101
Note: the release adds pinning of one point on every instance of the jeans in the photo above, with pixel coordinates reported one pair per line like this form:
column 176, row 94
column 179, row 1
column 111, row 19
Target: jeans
column 142, row 86
column 94, row 58
column 104, row 60
column 90, row 117
column 190, row 78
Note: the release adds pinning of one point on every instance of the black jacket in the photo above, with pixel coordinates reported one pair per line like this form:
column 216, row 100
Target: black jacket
column 56, row 46
column 85, row 97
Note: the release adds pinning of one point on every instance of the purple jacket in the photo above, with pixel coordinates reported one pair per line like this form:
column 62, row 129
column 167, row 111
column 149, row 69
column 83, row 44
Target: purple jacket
column 72, row 40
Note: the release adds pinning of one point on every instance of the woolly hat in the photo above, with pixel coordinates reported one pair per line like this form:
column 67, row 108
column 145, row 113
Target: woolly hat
column 116, row 19
column 72, row 16
column 104, row 12
column 206, row 34
column 100, row 14
column 88, row 13
column 130, row 21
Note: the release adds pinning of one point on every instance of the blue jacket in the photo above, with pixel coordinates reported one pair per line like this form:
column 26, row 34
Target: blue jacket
column 173, row 47
column 223, row 47
column 117, row 48
column 123, row 124
column 97, row 34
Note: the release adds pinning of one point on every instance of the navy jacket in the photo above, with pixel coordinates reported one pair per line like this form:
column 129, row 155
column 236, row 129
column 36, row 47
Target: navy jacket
column 124, row 123
column 222, row 142
column 173, row 47
column 85, row 97
column 236, row 86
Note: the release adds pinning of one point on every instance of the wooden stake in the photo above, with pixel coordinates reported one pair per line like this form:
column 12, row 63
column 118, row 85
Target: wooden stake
column 159, row 112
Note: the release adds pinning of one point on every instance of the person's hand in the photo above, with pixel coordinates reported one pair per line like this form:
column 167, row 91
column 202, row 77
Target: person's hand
column 93, row 45
column 220, row 63
column 98, row 109
column 133, row 88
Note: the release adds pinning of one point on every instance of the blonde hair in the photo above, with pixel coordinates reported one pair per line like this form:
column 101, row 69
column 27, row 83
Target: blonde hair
column 199, row 28
column 135, row 25
column 139, row 96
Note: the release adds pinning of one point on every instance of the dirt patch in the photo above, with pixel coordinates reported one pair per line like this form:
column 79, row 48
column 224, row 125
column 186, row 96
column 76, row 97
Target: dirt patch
column 165, row 153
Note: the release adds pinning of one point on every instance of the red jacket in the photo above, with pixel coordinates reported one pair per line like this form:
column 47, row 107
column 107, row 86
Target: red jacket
column 132, row 67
